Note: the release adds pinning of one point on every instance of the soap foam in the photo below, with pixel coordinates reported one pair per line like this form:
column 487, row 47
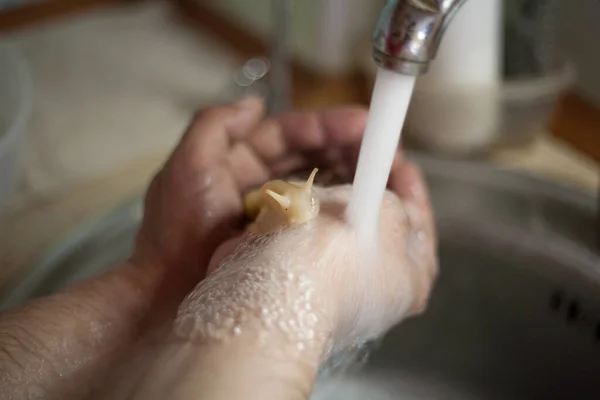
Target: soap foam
column 257, row 283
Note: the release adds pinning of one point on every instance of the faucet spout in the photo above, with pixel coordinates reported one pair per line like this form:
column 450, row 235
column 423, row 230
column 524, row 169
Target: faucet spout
column 408, row 33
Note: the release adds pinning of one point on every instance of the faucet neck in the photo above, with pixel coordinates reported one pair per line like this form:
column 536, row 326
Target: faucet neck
column 408, row 33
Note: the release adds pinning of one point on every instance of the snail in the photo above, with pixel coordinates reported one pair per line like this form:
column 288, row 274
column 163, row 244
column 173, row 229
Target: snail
column 279, row 204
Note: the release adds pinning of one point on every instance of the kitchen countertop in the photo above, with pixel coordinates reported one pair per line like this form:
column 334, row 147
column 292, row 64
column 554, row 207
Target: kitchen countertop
column 122, row 109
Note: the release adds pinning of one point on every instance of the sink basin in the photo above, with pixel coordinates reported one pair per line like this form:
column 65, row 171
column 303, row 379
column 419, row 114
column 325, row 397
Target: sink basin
column 501, row 324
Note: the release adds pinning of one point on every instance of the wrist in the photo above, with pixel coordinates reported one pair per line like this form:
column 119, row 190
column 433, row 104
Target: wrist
column 239, row 367
column 247, row 328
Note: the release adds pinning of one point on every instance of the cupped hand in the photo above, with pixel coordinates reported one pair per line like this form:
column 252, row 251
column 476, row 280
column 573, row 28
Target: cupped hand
column 323, row 282
column 195, row 202
column 273, row 305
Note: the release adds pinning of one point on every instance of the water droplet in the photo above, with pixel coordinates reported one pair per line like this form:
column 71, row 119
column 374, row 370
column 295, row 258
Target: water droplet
column 237, row 330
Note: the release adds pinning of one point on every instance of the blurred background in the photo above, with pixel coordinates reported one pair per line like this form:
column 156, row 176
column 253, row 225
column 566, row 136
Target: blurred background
column 94, row 94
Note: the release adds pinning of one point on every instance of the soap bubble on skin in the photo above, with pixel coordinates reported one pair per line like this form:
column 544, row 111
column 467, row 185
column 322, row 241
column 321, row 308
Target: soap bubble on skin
column 246, row 289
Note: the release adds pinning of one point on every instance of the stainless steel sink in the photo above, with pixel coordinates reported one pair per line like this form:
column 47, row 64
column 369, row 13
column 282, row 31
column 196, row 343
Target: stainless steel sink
column 516, row 311
column 514, row 315
column 503, row 322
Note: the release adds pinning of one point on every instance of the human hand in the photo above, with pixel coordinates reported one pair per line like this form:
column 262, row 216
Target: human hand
column 320, row 279
column 63, row 346
column 194, row 203
column 276, row 302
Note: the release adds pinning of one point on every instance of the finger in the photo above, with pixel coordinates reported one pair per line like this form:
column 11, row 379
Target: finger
column 347, row 168
column 397, row 163
column 291, row 163
column 328, row 156
column 60, row 346
column 278, row 137
column 407, row 181
column 214, row 130
column 247, row 168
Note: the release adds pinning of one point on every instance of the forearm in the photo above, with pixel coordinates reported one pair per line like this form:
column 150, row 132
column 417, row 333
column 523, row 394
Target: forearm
column 78, row 333
column 241, row 367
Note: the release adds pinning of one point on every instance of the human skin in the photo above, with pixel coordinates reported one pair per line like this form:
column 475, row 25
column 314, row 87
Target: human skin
column 277, row 336
column 111, row 336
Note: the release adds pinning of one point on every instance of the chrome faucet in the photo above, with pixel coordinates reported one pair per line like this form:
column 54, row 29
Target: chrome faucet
column 408, row 33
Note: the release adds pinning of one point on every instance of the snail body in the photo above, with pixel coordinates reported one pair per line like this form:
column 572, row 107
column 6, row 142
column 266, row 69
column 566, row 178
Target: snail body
column 280, row 204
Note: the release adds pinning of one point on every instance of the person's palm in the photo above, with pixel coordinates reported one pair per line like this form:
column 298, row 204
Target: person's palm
column 195, row 202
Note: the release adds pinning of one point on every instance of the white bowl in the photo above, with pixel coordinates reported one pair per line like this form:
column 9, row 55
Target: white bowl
column 16, row 95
